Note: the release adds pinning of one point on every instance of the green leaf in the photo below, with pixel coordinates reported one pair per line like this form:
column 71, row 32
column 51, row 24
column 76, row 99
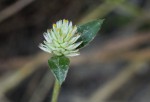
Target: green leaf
column 88, row 31
column 59, row 66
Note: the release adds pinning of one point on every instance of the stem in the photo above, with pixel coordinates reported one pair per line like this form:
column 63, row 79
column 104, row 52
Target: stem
column 56, row 91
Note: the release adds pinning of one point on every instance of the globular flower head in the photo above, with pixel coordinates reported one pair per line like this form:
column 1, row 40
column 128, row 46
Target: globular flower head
column 61, row 39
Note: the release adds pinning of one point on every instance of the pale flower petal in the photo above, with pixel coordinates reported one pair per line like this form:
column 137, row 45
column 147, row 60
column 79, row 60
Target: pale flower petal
column 74, row 39
column 44, row 48
column 73, row 54
column 73, row 46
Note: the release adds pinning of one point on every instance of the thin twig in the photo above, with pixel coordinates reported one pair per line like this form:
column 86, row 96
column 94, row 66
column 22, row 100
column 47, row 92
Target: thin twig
column 43, row 88
column 39, row 59
column 99, row 11
column 109, row 88
column 13, row 9
column 12, row 80
column 17, row 77
column 107, row 52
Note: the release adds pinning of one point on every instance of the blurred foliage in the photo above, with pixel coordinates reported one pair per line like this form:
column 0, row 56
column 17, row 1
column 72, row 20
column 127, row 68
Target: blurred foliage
column 114, row 68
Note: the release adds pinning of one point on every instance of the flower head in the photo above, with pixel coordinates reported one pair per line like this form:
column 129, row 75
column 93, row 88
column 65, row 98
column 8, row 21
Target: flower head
column 61, row 39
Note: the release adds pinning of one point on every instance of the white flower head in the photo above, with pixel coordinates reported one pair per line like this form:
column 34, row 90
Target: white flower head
column 61, row 39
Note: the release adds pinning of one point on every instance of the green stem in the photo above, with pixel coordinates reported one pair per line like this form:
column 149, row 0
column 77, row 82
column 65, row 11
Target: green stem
column 56, row 91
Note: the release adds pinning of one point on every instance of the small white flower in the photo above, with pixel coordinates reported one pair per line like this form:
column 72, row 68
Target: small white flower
column 61, row 39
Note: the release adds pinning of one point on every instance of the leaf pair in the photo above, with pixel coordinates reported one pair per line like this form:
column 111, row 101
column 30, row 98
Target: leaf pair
column 59, row 65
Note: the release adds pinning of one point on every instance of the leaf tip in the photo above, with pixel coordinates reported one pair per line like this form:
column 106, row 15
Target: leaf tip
column 101, row 20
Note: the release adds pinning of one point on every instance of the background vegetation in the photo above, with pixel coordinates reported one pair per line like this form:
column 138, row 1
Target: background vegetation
column 114, row 68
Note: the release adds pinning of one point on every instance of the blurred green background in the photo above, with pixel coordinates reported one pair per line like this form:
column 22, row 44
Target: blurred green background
column 115, row 67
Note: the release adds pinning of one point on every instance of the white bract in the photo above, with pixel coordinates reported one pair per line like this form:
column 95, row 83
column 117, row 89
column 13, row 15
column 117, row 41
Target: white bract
column 61, row 39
